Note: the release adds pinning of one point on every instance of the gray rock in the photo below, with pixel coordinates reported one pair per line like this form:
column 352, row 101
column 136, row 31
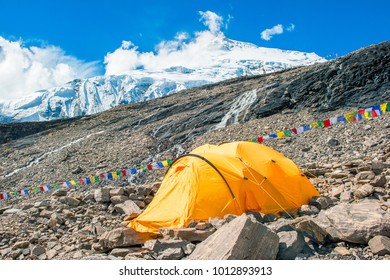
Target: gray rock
column 51, row 254
column 38, row 250
column 365, row 175
column 363, row 191
column 121, row 252
column 380, row 245
column 356, row 223
column 345, row 196
column 116, row 199
column 291, row 243
column 21, row 244
column 281, row 225
column 321, row 202
column 128, row 207
column 309, row 228
column 217, row 222
column 68, row 200
column 14, row 254
column 117, row 191
column 59, row 192
column 244, row 238
column 336, row 192
column 171, row 254
column 11, row 211
column 102, row 195
column 379, row 181
column 121, row 237
column 160, row 245
column 190, row 234
column 333, row 142
column 308, row 210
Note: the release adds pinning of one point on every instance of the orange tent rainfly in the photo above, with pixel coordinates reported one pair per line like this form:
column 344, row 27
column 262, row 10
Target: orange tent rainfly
column 230, row 178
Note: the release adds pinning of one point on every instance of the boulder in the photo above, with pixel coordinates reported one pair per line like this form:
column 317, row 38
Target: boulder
column 321, row 202
column 121, row 237
column 116, row 199
column 309, row 228
column 291, row 243
column 102, row 195
column 128, row 207
column 379, row 181
column 365, row 175
column 356, row 223
column 363, row 191
column 244, row 238
column 171, row 254
column 308, row 210
column 190, row 234
column 162, row 245
column 380, row 245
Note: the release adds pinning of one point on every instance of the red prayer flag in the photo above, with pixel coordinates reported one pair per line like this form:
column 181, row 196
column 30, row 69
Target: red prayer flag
column 102, row 176
column 260, row 139
column 327, row 123
column 81, row 181
column 373, row 113
column 361, row 112
column 294, row 130
column 1, row 196
column 123, row 173
column 42, row 189
column 149, row 166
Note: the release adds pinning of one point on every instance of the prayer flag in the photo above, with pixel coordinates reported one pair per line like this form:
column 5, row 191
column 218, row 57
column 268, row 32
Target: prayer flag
column 280, row 134
column 149, row 166
column 377, row 110
column 327, row 123
column 109, row 176
column 383, row 107
column 294, row 130
column 300, row 130
column 160, row 164
column 260, row 139
column 133, row 171
column 273, row 135
column 306, row 128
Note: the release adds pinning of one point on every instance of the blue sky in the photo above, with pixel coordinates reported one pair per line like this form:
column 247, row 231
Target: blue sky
column 81, row 33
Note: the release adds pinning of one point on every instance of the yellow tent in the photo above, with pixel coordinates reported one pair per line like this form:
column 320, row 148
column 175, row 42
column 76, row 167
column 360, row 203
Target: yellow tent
column 231, row 178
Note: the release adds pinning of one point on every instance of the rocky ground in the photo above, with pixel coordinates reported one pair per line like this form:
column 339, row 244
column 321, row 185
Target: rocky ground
column 348, row 163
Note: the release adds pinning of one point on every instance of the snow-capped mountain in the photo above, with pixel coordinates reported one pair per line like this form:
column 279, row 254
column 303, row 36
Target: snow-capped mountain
column 229, row 59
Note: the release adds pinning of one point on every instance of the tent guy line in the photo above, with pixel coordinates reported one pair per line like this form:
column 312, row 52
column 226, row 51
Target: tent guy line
column 354, row 116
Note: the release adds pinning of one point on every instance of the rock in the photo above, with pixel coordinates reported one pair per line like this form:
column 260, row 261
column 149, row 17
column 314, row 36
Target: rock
column 280, row 225
column 128, row 207
column 217, row 222
column 308, row 210
column 291, row 243
column 342, row 251
column 41, row 204
column 5, row 252
column 51, row 254
column 379, row 181
column 345, row 196
column 121, row 237
column 337, row 175
column 378, row 167
column 171, row 254
column 268, row 218
column 14, row 254
column 160, row 245
column 21, row 244
column 68, row 200
column 145, row 190
column 116, row 199
column 321, row 202
column 337, row 191
column 309, row 228
column 122, row 252
column 380, row 245
column 363, row 191
column 203, row 226
column 190, row 234
column 11, row 211
column 59, row 192
column 355, row 223
column 365, row 175
column 117, row 191
column 229, row 217
column 102, row 195
column 244, row 238
column 333, row 142
column 38, row 250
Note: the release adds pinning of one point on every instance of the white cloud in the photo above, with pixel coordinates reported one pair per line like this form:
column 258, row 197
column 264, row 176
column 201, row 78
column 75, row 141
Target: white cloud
column 277, row 29
column 24, row 70
column 211, row 20
column 183, row 50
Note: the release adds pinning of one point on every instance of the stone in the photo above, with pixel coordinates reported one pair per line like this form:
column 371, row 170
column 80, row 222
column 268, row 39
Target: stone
column 342, row 251
column 280, row 225
column 309, row 228
column 321, row 202
column 160, row 245
column 41, row 204
column 117, row 191
column 268, row 218
column 365, row 175
column 38, row 250
column 122, row 252
column 128, row 207
column 380, row 245
column 363, row 191
column 337, row 175
column 116, row 199
column 291, row 243
column 5, row 252
column 122, row 237
column 145, row 190
column 345, row 196
column 217, row 222
column 190, row 234
column 308, row 210
column 229, row 217
column 51, row 254
column 244, row 238
column 68, row 200
column 333, row 142
column 379, row 181
column 171, row 254
column 14, row 254
column 102, row 195
column 356, row 223
column 337, row 191
column 21, row 244
column 11, row 211
column 59, row 192
column 202, row 226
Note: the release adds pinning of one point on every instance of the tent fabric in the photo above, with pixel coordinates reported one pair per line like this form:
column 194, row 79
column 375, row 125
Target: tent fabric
column 230, row 178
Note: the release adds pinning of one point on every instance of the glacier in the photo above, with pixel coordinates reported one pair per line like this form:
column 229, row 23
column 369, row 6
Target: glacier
column 82, row 97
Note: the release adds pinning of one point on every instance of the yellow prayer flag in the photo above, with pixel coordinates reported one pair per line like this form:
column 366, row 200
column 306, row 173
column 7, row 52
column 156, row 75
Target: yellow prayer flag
column 349, row 116
column 367, row 115
column 114, row 175
column 383, row 107
column 165, row 163
column 280, row 134
column 92, row 178
column 315, row 124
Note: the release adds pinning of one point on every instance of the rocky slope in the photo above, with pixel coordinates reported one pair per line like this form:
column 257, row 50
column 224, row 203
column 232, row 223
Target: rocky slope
column 348, row 163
